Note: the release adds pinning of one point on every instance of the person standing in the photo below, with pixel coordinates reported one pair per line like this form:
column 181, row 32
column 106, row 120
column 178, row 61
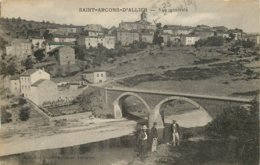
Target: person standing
column 154, row 137
column 175, row 132
column 142, row 141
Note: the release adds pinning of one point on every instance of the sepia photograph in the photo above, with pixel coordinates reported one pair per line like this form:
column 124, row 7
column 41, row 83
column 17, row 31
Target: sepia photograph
column 129, row 82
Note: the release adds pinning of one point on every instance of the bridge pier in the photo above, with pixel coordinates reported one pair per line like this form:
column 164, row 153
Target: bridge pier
column 154, row 116
column 117, row 111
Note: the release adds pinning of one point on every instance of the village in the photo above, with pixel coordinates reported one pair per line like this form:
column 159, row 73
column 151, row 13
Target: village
column 37, row 84
column 51, row 74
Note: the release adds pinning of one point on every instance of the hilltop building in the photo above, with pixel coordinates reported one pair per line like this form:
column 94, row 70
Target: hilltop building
column 93, row 27
column 203, row 33
column 147, row 37
column 138, row 25
column 106, row 41
column 127, row 37
column 178, row 30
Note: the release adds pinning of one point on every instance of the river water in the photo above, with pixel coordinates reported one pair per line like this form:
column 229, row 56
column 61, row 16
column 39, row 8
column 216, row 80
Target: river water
column 105, row 152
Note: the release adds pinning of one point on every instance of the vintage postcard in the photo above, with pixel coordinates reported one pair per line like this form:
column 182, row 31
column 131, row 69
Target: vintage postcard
column 129, row 82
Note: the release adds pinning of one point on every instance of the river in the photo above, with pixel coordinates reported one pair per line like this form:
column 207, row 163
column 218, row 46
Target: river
column 105, row 152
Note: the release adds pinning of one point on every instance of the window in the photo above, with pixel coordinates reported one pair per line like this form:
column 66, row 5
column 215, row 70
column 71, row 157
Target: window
column 97, row 75
column 101, row 75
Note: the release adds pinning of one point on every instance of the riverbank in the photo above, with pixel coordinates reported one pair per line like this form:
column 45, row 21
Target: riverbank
column 87, row 132
column 198, row 151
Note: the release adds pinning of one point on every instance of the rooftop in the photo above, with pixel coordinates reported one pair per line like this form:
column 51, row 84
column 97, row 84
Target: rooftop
column 38, row 82
column 128, row 31
column 61, row 43
column 20, row 41
column 41, row 81
column 92, row 71
column 15, row 77
column 29, row 72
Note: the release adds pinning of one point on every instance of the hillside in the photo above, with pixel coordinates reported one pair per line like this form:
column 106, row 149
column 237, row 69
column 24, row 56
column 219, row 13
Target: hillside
column 188, row 70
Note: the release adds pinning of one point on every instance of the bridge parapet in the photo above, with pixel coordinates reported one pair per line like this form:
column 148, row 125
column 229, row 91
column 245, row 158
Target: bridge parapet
column 153, row 100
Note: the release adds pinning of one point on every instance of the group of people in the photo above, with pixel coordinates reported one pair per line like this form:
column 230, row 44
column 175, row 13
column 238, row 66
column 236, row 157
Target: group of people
column 148, row 140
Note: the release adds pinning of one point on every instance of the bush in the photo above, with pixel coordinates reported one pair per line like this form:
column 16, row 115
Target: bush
column 211, row 41
column 5, row 116
column 24, row 114
column 242, row 124
column 22, row 101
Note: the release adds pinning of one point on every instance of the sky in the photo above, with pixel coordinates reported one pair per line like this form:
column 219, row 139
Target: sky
column 242, row 14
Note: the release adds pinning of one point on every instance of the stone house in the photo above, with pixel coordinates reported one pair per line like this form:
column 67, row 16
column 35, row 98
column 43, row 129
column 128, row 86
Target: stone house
column 109, row 42
column 15, row 87
column 127, row 37
column 29, row 77
column 255, row 38
column 178, row 29
column 20, row 48
column 106, row 41
column 42, row 91
column 94, row 76
column 66, row 55
column 93, row 33
column 93, row 27
column 189, row 40
column 147, row 37
column 203, row 33
column 64, row 39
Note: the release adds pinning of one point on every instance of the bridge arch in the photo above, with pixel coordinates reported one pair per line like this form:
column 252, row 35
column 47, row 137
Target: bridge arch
column 117, row 104
column 159, row 105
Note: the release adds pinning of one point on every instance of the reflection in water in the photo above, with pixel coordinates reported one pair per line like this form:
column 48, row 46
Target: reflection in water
column 98, row 153
column 119, row 151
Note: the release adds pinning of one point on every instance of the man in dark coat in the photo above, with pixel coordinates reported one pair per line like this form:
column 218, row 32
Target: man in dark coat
column 154, row 137
column 143, row 142
column 175, row 132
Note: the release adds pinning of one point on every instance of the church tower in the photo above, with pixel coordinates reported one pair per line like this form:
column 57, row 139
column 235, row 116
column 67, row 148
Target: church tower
column 143, row 16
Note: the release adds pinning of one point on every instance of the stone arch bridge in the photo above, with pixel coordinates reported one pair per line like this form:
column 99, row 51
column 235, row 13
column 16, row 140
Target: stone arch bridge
column 153, row 100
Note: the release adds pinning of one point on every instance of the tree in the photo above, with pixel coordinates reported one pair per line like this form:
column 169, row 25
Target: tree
column 39, row 54
column 28, row 63
column 211, row 41
column 11, row 68
column 242, row 123
column 22, row 101
column 24, row 114
column 5, row 116
column 47, row 35
column 156, row 38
